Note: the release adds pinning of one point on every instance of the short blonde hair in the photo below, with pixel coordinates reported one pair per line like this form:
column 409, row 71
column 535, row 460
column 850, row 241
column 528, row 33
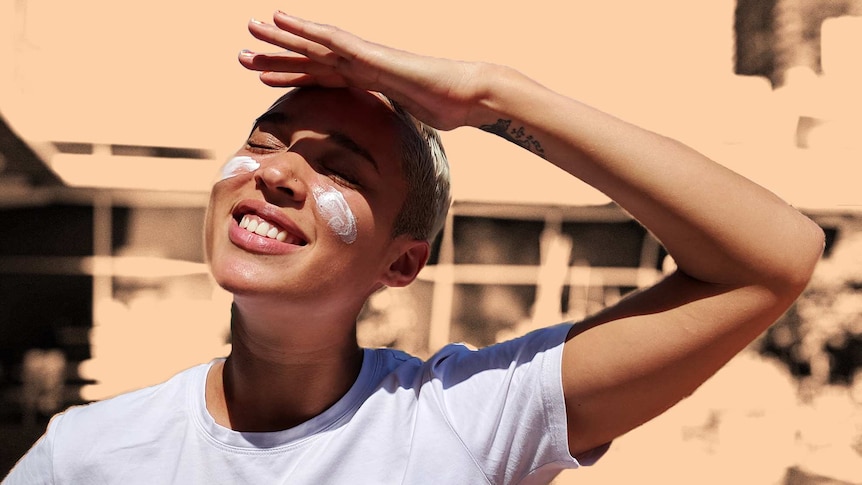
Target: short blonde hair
column 426, row 171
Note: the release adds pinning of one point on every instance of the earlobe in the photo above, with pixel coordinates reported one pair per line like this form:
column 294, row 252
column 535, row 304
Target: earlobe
column 409, row 263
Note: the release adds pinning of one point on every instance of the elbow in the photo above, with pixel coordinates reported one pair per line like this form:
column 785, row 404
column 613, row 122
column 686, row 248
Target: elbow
column 808, row 243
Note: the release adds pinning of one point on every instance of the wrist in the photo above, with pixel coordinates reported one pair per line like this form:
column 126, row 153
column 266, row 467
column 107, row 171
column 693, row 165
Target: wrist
column 490, row 80
column 503, row 93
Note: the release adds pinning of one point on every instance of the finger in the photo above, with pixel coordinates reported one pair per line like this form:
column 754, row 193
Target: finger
column 282, row 62
column 289, row 79
column 318, row 33
column 274, row 35
column 341, row 42
column 258, row 61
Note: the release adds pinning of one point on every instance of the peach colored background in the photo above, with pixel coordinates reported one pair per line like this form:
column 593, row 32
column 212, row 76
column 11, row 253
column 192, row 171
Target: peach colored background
column 164, row 73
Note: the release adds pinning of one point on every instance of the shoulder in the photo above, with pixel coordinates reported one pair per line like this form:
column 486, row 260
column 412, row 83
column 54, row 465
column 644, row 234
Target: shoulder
column 133, row 409
column 534, row 359
column 503, row 403
column 85, row 441
column 544, row 344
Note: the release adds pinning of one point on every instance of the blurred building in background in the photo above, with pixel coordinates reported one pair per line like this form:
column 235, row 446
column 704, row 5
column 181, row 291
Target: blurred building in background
column 103, row 285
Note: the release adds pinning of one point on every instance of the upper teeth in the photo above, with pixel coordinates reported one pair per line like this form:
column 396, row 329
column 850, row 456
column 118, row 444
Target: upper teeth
column 262, row 228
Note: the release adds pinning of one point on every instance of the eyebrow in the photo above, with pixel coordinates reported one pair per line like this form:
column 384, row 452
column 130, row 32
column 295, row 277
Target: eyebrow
column 339, row 138
column 344, row 141
column 273, row 117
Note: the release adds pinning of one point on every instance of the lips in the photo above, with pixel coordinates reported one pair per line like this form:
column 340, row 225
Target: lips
column 262, row 228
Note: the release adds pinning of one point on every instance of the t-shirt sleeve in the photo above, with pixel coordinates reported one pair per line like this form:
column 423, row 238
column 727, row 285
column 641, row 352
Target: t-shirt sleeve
column 36, row 467
column 506, row 404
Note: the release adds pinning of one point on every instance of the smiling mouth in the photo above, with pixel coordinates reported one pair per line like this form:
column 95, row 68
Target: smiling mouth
column 262, row 227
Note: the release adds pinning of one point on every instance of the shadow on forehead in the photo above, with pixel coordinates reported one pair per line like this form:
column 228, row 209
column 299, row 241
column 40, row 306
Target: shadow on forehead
column 273, row 115
column 357, row 94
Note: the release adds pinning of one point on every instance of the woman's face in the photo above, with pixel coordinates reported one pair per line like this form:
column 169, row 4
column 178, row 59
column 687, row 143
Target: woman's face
column 305, row 208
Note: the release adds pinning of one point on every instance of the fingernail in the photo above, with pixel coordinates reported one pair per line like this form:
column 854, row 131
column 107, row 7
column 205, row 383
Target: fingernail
column 256, row 21
column 246, row 53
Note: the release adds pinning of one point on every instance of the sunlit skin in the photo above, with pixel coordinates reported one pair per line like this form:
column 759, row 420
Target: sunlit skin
column 296, row 301
column 742, row 257
column 733, row 277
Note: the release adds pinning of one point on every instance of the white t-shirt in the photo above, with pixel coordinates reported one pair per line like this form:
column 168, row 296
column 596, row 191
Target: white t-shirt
column 494, row 416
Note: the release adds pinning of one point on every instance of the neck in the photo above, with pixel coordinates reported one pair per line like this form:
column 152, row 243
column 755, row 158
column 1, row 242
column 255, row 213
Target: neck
column 282, row 371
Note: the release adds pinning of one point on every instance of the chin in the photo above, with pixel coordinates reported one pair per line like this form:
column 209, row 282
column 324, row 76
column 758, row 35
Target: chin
column 238, row 277
column 252, row 281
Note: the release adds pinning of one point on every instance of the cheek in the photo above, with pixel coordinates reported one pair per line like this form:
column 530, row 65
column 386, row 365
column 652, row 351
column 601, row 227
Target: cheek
column 336, row 212
column 237, row 166
column 211, row 218
column 208, row 232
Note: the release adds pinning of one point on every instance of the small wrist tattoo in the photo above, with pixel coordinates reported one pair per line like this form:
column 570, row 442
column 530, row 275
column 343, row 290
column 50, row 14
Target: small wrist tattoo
column 518, row 136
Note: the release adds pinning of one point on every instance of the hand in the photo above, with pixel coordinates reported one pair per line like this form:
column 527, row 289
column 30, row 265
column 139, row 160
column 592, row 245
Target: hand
column 439, row 92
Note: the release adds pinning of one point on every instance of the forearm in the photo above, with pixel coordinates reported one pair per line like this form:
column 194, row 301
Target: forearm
column 718, row 226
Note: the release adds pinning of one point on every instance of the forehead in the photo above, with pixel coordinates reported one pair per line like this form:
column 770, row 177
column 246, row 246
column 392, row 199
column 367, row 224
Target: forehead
column 348, row 98
column 364, row 117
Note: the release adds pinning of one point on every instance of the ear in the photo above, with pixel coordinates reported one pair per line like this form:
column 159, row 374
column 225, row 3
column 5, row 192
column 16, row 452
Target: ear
column 411, row 259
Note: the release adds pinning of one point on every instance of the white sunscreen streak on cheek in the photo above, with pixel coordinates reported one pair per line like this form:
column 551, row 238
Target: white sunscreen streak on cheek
column 333, row 207
column 238, row 165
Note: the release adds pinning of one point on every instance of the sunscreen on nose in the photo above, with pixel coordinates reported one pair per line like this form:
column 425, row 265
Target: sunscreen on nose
column 333, row 207
column 238, row 165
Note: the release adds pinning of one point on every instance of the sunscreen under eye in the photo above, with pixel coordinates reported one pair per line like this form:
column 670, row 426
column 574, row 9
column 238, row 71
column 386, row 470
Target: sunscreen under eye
column 333, row 207
column 238, row 165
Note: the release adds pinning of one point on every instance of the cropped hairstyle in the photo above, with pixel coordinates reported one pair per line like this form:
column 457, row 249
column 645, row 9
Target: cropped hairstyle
column 426, row 171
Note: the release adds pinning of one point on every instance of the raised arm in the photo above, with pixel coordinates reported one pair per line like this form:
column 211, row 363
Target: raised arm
column 743, row 255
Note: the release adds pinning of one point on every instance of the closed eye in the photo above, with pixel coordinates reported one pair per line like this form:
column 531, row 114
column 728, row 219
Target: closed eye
column 341, row 177
column 258, row 148
column 263, row 142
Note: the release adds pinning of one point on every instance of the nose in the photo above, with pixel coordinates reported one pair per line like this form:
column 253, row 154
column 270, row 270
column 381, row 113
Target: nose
column 281, row 181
